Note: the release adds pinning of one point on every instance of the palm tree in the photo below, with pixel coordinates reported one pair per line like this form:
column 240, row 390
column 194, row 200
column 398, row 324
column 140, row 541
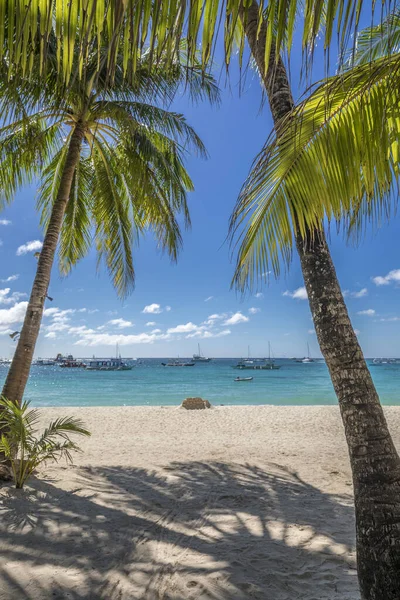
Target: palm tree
column 111, row 164
column 129, row 24
column 317, row 166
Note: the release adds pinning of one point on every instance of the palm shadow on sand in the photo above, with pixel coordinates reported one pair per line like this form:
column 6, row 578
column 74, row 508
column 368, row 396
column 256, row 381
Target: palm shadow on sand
column 214, row 531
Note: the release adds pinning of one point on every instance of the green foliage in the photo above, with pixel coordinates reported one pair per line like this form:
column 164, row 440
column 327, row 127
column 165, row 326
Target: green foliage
column 126, row 27
column 377, row 41
column 130, row 177
column 23, row 450
column 336, row 156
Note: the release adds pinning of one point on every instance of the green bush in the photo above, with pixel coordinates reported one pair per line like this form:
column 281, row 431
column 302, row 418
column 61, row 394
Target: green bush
column 22, row 450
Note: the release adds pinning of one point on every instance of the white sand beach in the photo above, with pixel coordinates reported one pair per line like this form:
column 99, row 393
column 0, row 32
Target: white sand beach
column 230, row 503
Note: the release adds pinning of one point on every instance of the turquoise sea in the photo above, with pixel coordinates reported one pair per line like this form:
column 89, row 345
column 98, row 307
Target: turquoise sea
column 151, row 384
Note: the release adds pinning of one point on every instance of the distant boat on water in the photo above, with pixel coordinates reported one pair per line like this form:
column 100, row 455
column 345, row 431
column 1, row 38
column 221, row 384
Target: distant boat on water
column 108, row 364
column 45, row 362
column 243, row 379
column 249, row 364
column 308, row 358
column 178, row 363
column 199, row 357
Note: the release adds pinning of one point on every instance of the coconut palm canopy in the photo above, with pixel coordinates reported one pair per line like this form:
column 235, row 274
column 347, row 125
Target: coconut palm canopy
column 336, row 156
column 131, row 25
column 130, row 176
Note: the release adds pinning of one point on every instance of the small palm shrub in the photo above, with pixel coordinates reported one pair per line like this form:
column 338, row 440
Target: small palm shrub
column 23, row 450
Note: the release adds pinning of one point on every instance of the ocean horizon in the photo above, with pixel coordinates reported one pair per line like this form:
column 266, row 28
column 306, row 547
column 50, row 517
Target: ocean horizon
column 151, row 384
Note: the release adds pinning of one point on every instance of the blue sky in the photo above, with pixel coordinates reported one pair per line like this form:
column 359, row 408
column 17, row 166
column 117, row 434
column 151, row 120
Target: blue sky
column 192, row 302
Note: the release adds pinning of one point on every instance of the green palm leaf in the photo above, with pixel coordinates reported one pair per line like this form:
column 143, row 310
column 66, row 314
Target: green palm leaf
column 336, row 156
column 126, row 27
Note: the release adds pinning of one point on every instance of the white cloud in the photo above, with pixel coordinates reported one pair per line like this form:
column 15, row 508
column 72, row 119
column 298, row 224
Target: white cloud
column 259, row 295
column 57, row 326
column 370, row 312
column 357, row 331
column 208, row 299
column 80, row 329
column 6, row 299
column 11, row 278
column 167, row 308
column 121, row 323
column 390, row 277
column 5, row 331
column 33, row 246
column 156, row 331
column 238, row 317
column 150, row 323
column 360, row 294
column 50, row 312
column 311, row 331
column 217, row 316
column 5, row 222
column 389, row 319
column 51, row 335
column 105, row 339
column 209, row 334
column 299, row 294
column 184, row 328
column 15, row 314
column 154, row 309
column 254, row 311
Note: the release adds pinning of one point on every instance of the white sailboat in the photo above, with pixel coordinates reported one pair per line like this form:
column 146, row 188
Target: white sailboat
column 308, row 359
column 199, row 356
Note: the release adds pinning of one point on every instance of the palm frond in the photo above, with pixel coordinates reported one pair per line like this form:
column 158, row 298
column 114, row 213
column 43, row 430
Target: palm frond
column 336, row 156
column 376, row 41
column 76, row 235
column 25, row 147
column 129, row 114
column 62, row 427
column 127, row 27
column 112, row 217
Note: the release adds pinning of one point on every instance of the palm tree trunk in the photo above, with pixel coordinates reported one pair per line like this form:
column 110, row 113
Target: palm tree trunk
column 374, row 460
column 18, row 373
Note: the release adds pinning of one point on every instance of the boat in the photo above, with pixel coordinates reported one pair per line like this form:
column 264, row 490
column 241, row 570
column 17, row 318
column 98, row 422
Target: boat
column 253, row 365
column 242, row 365
column 108, row 364
column 270, row 362
column 44, row 362
column 199, row 356
column 308, row 359
column 178, row 363
column 70, row 362
column 243, row 379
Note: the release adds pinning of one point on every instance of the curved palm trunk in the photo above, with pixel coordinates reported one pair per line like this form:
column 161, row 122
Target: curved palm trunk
column 374, row 460
column 19, row 369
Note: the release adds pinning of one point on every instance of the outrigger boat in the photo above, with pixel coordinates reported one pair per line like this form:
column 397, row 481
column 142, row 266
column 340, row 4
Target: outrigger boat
column 111, row 364
column 249, row 365
column 178, row 363
column 69, row 362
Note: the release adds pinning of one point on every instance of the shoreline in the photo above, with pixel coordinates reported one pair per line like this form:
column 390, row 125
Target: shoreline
column 232, row 502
